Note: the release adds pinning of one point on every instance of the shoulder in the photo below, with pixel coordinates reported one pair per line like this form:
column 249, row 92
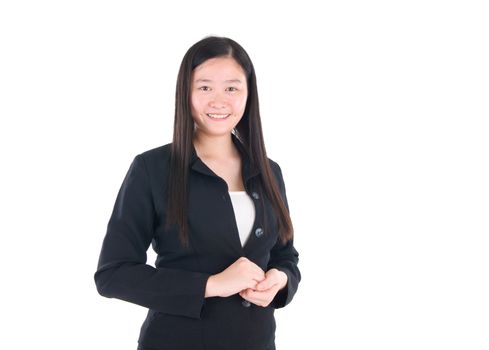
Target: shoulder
column 155, row 156
column 275, row 168
column 154, row 161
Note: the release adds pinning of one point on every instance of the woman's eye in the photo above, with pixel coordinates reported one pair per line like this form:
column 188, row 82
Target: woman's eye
column 204, row 88
column 232, row 88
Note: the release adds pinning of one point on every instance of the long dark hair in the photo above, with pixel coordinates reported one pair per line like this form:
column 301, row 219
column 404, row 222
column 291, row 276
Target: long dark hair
column 248, row 131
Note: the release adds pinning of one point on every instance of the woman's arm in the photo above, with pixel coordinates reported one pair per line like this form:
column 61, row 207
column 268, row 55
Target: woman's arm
column 122, row 271
column 284, row 257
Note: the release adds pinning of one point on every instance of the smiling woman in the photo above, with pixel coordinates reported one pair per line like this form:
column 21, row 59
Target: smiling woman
column 219, row 94
column 214, row 208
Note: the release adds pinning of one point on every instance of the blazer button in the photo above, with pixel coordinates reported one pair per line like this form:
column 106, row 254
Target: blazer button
column 245, row 303
column 258, row 232
column 255, row 195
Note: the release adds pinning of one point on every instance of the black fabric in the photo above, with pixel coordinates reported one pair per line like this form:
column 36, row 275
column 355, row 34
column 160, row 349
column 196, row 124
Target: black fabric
column 179, row 317
column 142, row 347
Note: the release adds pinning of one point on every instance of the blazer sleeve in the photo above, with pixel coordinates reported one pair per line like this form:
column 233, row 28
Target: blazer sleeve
column 122, row 271
column 284, row 257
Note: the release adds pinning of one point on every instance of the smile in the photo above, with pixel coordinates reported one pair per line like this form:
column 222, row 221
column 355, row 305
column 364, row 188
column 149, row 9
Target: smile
column 218, row 116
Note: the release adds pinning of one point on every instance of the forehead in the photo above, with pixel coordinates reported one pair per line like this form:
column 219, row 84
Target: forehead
column 219, row 69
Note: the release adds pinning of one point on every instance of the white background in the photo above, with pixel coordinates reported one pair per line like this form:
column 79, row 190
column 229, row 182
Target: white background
column 377, row 112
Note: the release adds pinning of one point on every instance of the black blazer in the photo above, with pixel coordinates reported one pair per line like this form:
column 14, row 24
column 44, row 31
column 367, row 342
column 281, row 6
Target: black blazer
column 179, row 317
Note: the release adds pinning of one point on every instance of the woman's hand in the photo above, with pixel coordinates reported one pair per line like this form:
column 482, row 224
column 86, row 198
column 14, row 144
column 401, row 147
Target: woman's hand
column 242, row 274
column 265, row 291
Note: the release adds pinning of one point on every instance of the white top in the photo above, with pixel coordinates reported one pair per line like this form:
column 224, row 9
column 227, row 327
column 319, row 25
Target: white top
column 244, row 211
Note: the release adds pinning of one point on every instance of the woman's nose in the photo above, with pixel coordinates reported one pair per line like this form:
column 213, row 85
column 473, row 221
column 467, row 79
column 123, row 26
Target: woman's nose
column 218, row 100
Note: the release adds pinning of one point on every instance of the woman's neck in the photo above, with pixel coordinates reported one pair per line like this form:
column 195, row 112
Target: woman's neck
column 214, row 147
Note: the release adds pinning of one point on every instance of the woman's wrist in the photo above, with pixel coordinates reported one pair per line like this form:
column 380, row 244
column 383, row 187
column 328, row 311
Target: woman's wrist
column 210, row 287
column 284, row 279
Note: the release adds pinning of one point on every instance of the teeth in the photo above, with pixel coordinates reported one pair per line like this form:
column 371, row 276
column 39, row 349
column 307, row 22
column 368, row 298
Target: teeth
column 218, row 116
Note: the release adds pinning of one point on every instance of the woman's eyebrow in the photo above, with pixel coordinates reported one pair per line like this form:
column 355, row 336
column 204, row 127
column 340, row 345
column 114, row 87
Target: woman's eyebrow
column 226, row 81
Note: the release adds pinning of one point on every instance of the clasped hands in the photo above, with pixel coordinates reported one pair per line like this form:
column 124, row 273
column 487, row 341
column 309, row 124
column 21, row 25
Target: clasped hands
column 249, row 280
column 264, row 292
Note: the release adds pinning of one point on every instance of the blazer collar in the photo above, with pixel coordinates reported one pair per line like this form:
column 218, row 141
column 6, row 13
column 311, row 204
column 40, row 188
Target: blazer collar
column 248, row 169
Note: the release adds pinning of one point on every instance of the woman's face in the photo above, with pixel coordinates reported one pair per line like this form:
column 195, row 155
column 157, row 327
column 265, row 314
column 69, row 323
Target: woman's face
column 218, row 95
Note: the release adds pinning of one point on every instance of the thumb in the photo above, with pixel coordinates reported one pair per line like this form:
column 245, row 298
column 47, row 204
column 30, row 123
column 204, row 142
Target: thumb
column 267, row 283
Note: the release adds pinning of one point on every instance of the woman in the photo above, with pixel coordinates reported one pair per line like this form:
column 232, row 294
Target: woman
column 214, row 208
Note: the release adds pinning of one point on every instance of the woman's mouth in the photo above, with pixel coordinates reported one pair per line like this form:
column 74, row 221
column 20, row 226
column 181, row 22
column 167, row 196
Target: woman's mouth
column 218, row 116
